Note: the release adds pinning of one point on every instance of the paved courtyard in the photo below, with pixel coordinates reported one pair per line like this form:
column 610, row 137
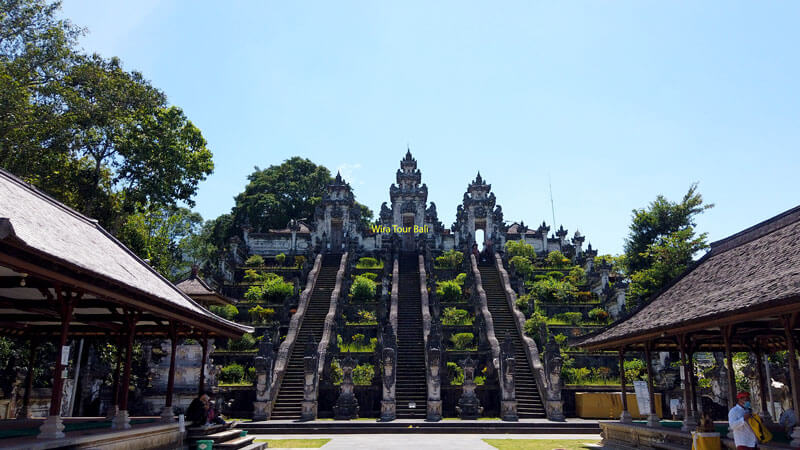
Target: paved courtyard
column 420, row 441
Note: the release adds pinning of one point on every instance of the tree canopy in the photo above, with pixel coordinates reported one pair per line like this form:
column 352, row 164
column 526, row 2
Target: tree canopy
column 662, row 242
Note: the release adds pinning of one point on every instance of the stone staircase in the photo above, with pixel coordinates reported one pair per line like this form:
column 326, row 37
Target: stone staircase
column 410, row 386
column 290, row 393
column 529, row 402
column 223, row 437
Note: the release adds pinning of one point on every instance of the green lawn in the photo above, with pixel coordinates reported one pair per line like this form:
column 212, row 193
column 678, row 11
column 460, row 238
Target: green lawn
column 540, row 444
column 294, row 443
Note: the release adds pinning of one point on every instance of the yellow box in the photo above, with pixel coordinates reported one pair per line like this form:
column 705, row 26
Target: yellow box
column 608, row 405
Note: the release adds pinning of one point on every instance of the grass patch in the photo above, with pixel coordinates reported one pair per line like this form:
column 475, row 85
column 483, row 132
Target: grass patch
column 540, row 444
column 294, row 443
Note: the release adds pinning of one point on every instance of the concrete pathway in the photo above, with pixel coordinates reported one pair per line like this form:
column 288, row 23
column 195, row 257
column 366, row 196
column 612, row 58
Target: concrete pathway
column 419, row 441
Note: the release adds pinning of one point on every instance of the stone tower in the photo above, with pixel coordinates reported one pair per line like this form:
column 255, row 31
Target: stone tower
column 479, row 211
column 337, row 218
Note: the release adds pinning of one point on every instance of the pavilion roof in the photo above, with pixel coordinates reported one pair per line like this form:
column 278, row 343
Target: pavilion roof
column 195, row 287
column 748, row 276
column 44, row 238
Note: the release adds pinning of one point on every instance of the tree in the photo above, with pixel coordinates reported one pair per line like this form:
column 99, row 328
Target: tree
column 655, row 223
column 279, row 193
column 662, row 243
column 164, row 237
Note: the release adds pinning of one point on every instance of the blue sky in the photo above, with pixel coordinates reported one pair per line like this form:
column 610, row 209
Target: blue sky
column 615, row 102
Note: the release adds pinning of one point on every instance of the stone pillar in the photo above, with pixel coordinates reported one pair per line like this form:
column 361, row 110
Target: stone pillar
column 469, row 407
column 434, row 378
column 263, row 365
column 625, row 417
column 388, row 359
column 53, row 428
column 652, row 418
column 346, row 406
column 508, row 402
column 201, row 386
column 689, row 419
column 793, row 376
column 310, row 361
column 121, row 420
column 168, row 414
column 763, row 386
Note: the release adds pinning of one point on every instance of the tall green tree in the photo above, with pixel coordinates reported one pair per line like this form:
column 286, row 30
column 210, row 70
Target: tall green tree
column 662, row 242
column 279, row 193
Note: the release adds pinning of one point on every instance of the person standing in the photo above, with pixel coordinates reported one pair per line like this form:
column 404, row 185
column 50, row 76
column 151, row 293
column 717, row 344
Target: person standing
column 743, row 436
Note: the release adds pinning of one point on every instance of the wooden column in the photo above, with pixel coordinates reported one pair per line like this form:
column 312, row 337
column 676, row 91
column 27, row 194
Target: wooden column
column 794, row 382
column 115, row 376
column 763, row 383
column 173, row 338
column 66, row 307
column 126, row 373
column 689, row 420
column 625, row 417
column 202, row 384
column 692, row 384
column 726, row 339
column 652, row 418
column 26, row 398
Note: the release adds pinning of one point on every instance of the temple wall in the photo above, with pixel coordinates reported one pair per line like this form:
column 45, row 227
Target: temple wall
column 273, row 245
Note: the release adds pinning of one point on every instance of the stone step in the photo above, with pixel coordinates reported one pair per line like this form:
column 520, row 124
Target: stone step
column 237, row 443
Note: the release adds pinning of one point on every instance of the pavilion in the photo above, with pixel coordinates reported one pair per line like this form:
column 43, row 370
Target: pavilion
column 742, row 296
column 62, row 275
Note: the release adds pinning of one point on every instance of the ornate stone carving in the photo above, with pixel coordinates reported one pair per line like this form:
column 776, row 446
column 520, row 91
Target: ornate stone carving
column 263, row 364
column 346, row 406
column 469, row 407
column 508, row 403
column 388, row 360
column 309, row 405
column 434, row 359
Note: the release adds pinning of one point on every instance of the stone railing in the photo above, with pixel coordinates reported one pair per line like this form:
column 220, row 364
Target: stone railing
column 329, row 330
column 552, row 393
column 483, row 308
column 423, row 295
column 395, row 293
column 294, row 330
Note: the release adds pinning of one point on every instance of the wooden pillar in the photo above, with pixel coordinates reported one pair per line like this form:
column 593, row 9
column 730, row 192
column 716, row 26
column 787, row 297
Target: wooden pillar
column 794, row 382
column 693, row 384
column 173, row 338
column 115, row 377
column 202, row 384
column 689, row 420
column 763, row 385
column 25, row 412
column 625, row 417
column 652, row 418
column 121, row 420
column 726, row 339
column 53, row 428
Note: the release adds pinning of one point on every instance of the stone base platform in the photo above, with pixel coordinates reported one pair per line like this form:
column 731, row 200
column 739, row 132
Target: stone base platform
column 523, row 426
column 638, row 436
column 150, row 436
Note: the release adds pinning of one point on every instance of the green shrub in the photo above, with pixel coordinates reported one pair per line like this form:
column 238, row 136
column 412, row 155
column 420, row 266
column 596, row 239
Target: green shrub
column 277, row 290
column 533, row 324
column 259, row 314
column 246, row 342
column 550, row 290
column 251, row 374
column 524, row 303
column 227, row 311
column 450, row 259
column 254, row 261
column 448, row 291
column 461, row 278
column 556, row 275
column 251, row 276
column 366, row 317
column 368, row 263
column 233, row 373
column 336, row 372
column 455, row 374
column 556, row 259
column 520, row 248
column 572, row 318
column 522, row 265
column 584, row 297
column 480, row 380
column 560, row 339
column 370, row 275
column 280, row 258
column 455, row 316
column 577, row 276
column 254, row 294
column 363, row 374
column 462, row 341
column 575, row 375
column 358, row 343
column 299, row 260
column 635, row 369
column 363, row 289
column 598, row 315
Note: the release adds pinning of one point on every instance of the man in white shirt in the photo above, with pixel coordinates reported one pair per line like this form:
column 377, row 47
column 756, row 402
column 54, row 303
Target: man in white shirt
column 743, row 436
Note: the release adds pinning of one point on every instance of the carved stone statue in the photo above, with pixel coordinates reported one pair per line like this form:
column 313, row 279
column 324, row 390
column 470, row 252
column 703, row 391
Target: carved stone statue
column 263, row 364
column 434, row 378
column 388, row 402
column 346, row 406
column 310, row 360
column 508, row 403
column 552, row 367
column 469, row 407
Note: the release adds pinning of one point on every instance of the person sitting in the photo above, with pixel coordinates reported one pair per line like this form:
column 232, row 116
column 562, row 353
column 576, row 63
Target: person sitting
column 213, row 415
column 197, row 412
column 788, row 420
